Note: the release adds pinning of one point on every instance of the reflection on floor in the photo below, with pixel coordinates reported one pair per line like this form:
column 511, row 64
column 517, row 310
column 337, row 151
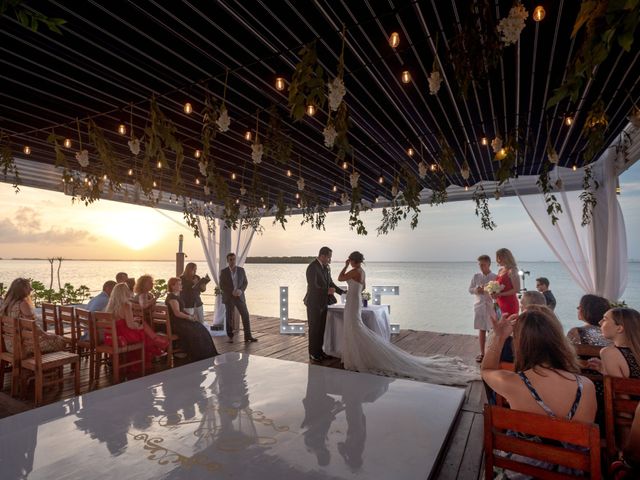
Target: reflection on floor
column 244, row 417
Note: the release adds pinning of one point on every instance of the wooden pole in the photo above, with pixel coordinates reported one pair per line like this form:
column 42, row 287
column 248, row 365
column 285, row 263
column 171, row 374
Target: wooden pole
column 180, row 257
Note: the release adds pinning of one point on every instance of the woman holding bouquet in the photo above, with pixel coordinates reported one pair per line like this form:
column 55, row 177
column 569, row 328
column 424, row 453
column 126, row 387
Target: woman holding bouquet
column 508, row 277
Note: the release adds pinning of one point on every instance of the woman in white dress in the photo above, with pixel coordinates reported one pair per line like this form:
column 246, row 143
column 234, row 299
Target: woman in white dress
column 365, row 351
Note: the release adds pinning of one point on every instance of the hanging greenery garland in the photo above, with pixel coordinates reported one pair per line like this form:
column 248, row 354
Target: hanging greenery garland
column 588, row 196
column 482, row 208
column 307, row 83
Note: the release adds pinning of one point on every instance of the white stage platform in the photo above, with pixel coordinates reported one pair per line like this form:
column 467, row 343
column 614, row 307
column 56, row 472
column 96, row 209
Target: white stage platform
column 246, row 417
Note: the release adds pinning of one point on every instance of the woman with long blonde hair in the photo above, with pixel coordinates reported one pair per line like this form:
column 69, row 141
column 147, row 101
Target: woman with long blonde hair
column 508, row 277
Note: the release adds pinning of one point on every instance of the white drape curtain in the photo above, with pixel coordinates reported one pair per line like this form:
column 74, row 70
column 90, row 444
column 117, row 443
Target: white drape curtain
column 595, row 255
column 217, row 241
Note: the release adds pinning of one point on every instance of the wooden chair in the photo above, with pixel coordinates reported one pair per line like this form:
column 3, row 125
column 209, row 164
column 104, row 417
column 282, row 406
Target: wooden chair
column 67, row 326
column 621, row 397
column 86, row 344
column 9, row 336
column 137, row 311
column 498, row 420
column 50, row 317
column 587, row 351
column 162, row 325
column 105, row 327
column 40, row 363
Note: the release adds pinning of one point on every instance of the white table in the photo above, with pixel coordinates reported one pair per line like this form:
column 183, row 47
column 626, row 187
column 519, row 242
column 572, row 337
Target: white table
column 376, row 317
column 239, row 417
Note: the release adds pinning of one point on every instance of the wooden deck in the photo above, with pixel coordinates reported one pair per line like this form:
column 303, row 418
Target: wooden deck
column 462, row 458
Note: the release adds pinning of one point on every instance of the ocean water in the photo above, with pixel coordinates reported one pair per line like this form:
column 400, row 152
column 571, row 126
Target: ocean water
column 433, row 296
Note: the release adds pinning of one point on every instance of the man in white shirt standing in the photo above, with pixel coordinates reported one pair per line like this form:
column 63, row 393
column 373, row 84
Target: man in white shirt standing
column 483, row 305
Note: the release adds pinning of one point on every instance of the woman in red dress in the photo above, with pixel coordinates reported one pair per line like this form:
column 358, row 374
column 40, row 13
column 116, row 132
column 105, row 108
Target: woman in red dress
column 510, row 280
column 130, row 329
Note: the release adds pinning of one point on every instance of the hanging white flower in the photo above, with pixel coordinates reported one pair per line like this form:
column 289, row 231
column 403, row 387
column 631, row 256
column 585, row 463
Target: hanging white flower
column 634, row 118
column 330, row 135
column 243, row 191
column 83, row 158
column 207, row 190
column 559, row 184
column 256, row 152
column 353, row 178
column 553, row 156
column 511, row 27
column 300, row 183
column 496, row 144
column 134, row 145
column 465, row 172
column 203, row 167
column 223, row 120
column 344, row 198
column 435, row 79
column 423, row 168
column 337, row 92
column 394, row 191
column 497, row 194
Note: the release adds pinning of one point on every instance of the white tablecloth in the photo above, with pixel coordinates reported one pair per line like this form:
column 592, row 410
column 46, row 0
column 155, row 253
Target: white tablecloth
column 376, row 317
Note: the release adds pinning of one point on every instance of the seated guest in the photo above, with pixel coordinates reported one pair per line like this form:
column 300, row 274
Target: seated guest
column 191, row 290
column 17, row 303
column 143, row 295
column 528, row 299
column 622, row 359
column 542, row 285
column 629, row 467
column 546, row 379
column 131, row 283
column 122, row 277
column 99, row 302
column 130, row 329
column 591, row 310
column 195, row 339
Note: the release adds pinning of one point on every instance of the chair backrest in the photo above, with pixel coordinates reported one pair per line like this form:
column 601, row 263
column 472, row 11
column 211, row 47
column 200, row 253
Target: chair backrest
column 9, row 340
column 585, row 436
column 29, row 340
column 66, row 322
column 84, row 327
column 50, row 317
column 105, row 328
column 621, row 397
column 137, row 311
column 587, row 351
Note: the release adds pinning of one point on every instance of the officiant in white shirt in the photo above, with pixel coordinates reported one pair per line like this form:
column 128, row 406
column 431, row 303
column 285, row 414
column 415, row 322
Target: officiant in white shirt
column 483, row 305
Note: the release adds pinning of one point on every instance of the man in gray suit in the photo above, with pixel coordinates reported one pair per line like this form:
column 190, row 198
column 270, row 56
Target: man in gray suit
column 233, row 283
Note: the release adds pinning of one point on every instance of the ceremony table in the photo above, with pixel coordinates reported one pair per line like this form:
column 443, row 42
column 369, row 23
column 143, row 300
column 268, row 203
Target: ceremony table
column 237, row 416
column 376, row 317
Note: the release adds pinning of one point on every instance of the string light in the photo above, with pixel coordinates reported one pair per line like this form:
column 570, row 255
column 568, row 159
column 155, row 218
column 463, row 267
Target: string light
column 466, row 188
column 188, row 108
column 27, row 150
column 159, row 164
column 345, row 165
column 335, row 188
column 394, row 40
column 484, row 141
column 406, row 76
column 122, row 129
column 311, row 110
column 197, row 154
column 288, row 173
column 502, row 153
column 233, row 176
column 237, row 201
column 86, row 180
column 154, row 184
column 538, row 13
column 67, row 143
column 297, row 195
column 264, row 206
column 130, row 172
column 410, row 151
column 433, row 167
column 104, row 177
column 247, row 135
column 280, row 84
column 197, row 181
column 574, row 168
column 568, row 121
column 381, row 179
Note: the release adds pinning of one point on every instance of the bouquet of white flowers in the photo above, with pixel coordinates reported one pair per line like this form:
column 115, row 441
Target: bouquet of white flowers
column 366, row 295
column 493, row 287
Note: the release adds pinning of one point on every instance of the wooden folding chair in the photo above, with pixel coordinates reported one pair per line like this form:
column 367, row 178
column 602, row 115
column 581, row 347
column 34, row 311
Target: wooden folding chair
column 50, row 317
column 40, row 363
column 67, row 326
column 621, row 397
column 9, row 340
column 85, row 343
column 585, row 436
column 105, row 328
column 162, row 326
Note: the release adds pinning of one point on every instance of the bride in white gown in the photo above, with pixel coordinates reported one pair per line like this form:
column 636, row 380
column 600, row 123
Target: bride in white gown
column 365, row 351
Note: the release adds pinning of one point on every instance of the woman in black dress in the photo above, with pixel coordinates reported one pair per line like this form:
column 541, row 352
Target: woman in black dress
column 195, row 340
column 191, row 289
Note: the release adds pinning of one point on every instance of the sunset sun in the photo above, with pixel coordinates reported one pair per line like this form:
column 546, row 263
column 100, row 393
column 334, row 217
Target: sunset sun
column 135, row 230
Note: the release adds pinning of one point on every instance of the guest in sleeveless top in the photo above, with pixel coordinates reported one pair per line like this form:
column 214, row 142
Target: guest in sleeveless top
column 510, row 280
column 143, row 295
column 17, row 303
column 590, row 310
column 546, row 379
column 622, row 359
column 195, row 339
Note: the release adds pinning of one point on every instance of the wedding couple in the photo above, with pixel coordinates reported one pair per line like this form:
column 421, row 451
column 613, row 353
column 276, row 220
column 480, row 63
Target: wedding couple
column 362, row 349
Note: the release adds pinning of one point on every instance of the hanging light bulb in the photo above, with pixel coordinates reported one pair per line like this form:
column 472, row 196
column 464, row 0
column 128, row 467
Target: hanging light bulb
column 159, row 164
column 154, row 184
column 197, row 154
column 569, row 120
column 280, row 84
column 311, row 110
column 502, row 153
column 466, row 188
column 298, row 204
column 197, row 181
column 345, row 165
column 406, row 76
column 122, row 129
column 394, row 40
column 410, row 151
column 433, row 167
column 86, row 180
column 297, row 195
column 377, row 199
column 67, row 143
column 335, row 188
column 248, row 136
column 484, row 141
column 188, row 108
column 264, row 205
column 233, row 176
column 381, row 179
column 130, row 172
column 288, row 173
column 538, row 13
column 104, row 177
column 574, row 168
column 237, row 201
column 27, row 150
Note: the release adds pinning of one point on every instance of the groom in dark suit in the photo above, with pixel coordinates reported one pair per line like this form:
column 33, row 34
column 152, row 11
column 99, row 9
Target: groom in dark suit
column 320, row 290
column 233, row 283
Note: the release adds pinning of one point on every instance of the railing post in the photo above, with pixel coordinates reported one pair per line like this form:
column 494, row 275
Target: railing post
column 180, row 257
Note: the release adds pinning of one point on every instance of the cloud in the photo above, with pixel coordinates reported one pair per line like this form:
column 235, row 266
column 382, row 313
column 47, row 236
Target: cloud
column 26, row 227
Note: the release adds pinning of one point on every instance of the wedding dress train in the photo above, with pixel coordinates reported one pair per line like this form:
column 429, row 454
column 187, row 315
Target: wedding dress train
column 365, row 351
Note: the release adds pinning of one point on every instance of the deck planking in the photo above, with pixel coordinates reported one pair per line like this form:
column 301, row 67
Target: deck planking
column 462, row 455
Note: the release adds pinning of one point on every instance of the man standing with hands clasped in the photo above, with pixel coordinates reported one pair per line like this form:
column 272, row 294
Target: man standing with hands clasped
column 483, row 305
column 233, row 283
column 320, row 288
